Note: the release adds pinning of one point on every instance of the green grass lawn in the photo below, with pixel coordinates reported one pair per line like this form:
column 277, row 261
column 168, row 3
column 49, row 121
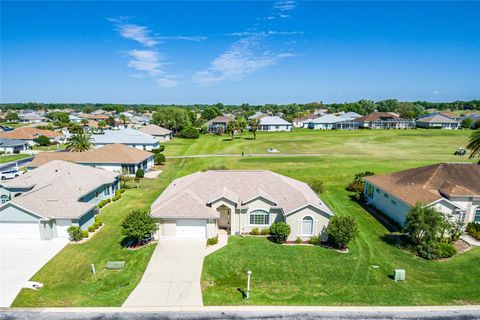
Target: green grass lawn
column 12, row 157
column 281, row 275
column 14, row 124
column 50, row 148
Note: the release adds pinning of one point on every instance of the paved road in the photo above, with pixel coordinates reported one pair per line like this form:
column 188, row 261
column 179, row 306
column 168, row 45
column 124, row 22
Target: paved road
column 248, row 155
column 12, row 165
column 459, row 313
column 20, row 259
column 172, row 277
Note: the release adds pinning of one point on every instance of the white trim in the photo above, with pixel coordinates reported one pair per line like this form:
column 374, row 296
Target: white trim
column 444, row 199
column 258, row 225
column 309, row 205
column 301, row 234
column 220, row 198
column 22, row 208
column 259, row 196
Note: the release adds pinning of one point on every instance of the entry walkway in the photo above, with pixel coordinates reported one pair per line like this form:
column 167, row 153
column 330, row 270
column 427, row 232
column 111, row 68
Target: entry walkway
column 172, row 277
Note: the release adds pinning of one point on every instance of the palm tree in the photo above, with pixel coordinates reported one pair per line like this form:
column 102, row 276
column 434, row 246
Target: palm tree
column 232, row 127
column 124, row 119
column 254, row 124
column 474, row 144
column 101, row 124
column 84, row 122
column 79, row 142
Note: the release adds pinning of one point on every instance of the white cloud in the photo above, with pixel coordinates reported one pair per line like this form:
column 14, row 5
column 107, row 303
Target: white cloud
column 286, row 5
column 242, row 58
column 137, row 33
column 435, row 92
column 149, row 63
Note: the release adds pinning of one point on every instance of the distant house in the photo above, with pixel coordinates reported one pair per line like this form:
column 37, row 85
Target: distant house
column 13, row 145
column 384, row 120
column 30, row 117
column 94, row 117
column 450, row 115
column 29, row 134
column 129, row 137
column 258, row 115
column 350, row 116
column 74, row 118
column 438, row 121
column 274, row 123
column 44, row 203
column 160, row 133
column 451, row 188
column 302, row 122
column 112, row 157
column 330, row 122
column 197, row 205
column 218, row 124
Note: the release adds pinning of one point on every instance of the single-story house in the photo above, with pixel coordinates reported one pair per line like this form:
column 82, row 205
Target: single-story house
column 384, row 120
column 74, row 118
column 451, row 188
column 330, row 122
column 437, row 121
column 302, row 122
column 257, row 115
column 274, row 123
column 44, row 203
column 112, row 157
column 29, row 134
column 158, row 132
column 13, row 145
column 128, row 136
column 350, row 116
column 94, row 117
column 218, row 124
column 30, row 117
column 197, row 205
column 451, row 115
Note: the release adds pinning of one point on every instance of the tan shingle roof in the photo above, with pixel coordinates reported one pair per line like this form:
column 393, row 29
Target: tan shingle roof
column 29, row 133
column 57, row 187
column 437, row 118
column 110, row 153
column 379, row 116
column 155, row 130
column 427, row 184
column 243, row 185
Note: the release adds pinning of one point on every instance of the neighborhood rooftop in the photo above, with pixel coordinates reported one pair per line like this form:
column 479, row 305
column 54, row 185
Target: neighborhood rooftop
column 428, row 184
column 126, row 136
column 194, row 192
column 155, row 130
column 108, row 154
column 57, row 188
column 29, row 133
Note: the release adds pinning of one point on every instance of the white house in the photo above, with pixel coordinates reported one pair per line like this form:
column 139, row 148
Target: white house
column 437, row 121
column 274, row 123
column 112, row 157
column 129, row 137
column 451, row 188
column 162, row 134
column 13, row 145
column 330, row 122
column 44, row 203
column 197, row 205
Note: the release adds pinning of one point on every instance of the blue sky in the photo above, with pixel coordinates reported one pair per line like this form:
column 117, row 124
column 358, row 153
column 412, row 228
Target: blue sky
column 239, row 52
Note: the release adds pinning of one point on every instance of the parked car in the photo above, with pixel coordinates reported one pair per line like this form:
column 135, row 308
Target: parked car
column 4, row 175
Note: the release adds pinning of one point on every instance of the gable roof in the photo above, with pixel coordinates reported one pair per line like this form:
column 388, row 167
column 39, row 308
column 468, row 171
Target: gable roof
column 219, row 119
column 155, row 130
column 350, row 115
column 11, row 142
column 430, row 183
column 125, row 136
column 29, row 133
column 436, row 118
column 273, row 120
column 239, row 186
column 115, row 153
column 328, row 118
column 380, row 116
column 57, row 187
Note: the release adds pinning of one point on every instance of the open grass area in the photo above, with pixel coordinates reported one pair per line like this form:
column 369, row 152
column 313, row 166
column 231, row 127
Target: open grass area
column 14, row 124
column 53, row 147
column 281, row 275
column 12, row 157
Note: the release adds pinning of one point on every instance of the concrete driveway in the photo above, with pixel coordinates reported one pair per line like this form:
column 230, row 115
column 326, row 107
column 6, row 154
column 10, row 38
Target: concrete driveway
column 19, row 260
column 172, row 277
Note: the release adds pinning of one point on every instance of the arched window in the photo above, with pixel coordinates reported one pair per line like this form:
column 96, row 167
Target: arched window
column 259, row 217
column 307, row 226
column 4, row 198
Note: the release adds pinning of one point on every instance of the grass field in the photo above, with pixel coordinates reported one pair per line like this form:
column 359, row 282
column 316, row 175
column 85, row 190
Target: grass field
column 281, row 275
column 12, row 157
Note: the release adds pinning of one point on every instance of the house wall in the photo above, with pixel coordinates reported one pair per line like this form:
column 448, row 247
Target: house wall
column 10, row 213
column 103, row 192
column 87, row 220
column 438, row 125
column 275, row 128
column 389, row 204
column 319, row 226
column 321, row 126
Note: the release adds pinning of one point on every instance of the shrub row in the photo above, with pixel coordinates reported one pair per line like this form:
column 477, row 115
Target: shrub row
column 116, row 197
column 256, row 231
column 473, row 229
column 433, row 251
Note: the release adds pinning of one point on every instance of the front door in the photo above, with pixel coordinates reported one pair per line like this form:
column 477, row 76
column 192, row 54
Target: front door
column 224, row 221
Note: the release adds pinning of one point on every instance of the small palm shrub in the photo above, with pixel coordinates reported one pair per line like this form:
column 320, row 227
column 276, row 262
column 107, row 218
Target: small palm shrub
column 298, row 240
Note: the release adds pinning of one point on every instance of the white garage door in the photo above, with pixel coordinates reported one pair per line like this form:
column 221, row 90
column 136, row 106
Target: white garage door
column 19, row 230
column 193, row 229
